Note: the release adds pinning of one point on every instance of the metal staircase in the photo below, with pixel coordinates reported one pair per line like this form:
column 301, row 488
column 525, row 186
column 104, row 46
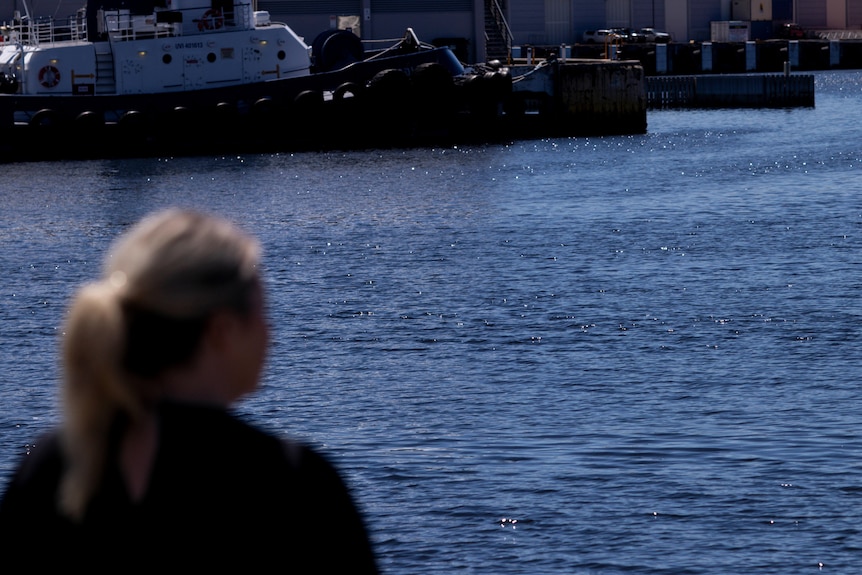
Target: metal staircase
column 498, row 36
column 106, row 83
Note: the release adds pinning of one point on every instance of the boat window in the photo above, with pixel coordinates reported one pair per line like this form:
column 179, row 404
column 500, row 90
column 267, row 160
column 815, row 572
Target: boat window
column 169, row 17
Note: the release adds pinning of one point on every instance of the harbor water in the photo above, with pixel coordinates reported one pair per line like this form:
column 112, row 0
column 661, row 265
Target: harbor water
column 636, row 354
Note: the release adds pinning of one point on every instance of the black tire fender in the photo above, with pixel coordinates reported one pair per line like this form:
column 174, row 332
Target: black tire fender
column 89, row 119
column 355, row 90
column 132, row 119
column 45, row 117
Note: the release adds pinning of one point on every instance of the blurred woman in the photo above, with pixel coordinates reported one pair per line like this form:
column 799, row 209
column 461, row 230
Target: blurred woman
column 149, row 465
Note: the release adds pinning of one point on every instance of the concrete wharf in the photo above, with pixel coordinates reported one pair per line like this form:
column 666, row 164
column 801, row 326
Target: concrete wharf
column 763, row 56
column 606, row 97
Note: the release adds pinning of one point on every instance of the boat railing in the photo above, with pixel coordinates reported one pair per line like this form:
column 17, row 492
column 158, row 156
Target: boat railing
column 45, row 30
column 122, row 25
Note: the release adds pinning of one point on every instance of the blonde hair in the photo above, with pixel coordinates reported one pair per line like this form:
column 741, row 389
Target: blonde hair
column 161, row 282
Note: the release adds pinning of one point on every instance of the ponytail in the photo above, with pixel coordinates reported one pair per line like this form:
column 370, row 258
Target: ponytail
column 95, row 390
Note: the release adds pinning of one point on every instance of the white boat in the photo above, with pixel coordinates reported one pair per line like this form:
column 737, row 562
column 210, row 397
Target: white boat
column 190, row 72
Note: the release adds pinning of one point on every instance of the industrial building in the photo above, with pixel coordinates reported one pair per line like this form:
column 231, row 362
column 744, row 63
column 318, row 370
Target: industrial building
column 482, row 29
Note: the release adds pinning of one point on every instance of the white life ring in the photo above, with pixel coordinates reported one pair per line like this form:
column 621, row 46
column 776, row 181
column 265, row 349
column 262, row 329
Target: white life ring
column 49, row 76
column 212, row 19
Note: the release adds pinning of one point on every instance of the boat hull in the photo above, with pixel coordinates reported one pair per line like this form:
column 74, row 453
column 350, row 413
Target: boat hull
column 417, row 98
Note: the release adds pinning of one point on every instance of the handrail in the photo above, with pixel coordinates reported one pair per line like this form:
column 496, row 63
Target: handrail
column 616, row 41
column 44, row 30
column 502, row 26
column 119, row 24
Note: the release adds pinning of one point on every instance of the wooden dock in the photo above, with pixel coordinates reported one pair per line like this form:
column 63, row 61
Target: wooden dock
column 730, row 91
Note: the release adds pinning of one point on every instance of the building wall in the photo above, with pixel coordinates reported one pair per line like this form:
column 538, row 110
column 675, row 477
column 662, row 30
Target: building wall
column 527, row 22
column 836, row 14
column 384, row 19
column 811, row 13
column 618, row 14
column 428, row 27
column 701, row 14
column 854, row 14
column 58, row 9
column 527, row 17
column 7, row 8
column 782, row 10
column 676, row 21
column 309, row 18
column 558, row 21
column 649, row 14
column 587, row 15
column 536, row 22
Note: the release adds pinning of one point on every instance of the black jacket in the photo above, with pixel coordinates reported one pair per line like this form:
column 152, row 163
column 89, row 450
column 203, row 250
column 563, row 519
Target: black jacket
column 222, row 494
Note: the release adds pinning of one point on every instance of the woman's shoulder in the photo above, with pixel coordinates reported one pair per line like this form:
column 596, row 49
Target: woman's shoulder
column 303, row 457
column 221, row 437
column 43, row 459
column 30, row 493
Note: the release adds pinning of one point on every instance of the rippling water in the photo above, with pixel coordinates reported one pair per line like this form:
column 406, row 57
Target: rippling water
column 606, row 355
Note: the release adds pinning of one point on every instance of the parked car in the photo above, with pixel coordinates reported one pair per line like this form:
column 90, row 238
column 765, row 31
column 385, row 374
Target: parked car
column 628, row 35
column 653, row 35
column 599, row 36
column 791, row 31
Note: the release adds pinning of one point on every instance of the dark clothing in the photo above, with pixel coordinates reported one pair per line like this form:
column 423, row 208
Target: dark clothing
column 222, row 493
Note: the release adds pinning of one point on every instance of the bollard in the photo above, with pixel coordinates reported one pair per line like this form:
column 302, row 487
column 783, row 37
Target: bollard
column 750, row 56
column 706, row 57
column 661, row 58
column 793, row 53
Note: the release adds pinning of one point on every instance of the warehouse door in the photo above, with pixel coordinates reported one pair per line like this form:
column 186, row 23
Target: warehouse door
column 558, row 22
column 618, row 13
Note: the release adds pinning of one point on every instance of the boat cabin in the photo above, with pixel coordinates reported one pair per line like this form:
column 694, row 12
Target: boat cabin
column 148, row 46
